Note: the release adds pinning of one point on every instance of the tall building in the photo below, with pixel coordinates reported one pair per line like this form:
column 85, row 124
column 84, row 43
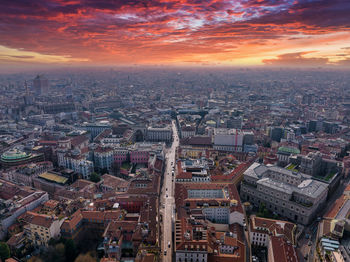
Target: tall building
column 311, row 164
column 276, row 134
column 41, row 85
column 226, row 139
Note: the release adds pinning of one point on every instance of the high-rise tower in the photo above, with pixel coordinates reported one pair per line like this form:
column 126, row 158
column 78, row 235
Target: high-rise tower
column 41, row 85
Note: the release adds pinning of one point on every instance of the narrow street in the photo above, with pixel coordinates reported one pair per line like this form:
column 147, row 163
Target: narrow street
column 167, row 199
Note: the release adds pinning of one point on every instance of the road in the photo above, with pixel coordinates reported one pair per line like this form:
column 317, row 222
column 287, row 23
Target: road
column 167, row 198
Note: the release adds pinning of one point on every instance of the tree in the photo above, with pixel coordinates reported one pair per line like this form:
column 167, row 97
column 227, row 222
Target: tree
column 95, row 177
column 70, row 250
column 85, row 258
column 55, row 254
column 4, row 251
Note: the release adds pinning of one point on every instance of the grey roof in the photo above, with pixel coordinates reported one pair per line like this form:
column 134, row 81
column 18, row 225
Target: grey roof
column 308, row 186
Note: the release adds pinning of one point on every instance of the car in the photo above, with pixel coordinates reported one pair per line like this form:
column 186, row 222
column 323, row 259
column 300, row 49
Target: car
column 166, row 189
column 165, row 252
column 310, row 243
column 166, row 195
column 169, row 244
column 307, row 236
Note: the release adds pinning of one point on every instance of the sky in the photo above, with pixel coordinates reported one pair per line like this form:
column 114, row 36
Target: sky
column 298, row 33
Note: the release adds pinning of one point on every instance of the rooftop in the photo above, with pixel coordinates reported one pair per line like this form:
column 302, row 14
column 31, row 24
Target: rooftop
column 14, row 155
column 53, row 178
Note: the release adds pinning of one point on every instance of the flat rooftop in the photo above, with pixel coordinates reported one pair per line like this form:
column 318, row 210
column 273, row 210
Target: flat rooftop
column 51, row 177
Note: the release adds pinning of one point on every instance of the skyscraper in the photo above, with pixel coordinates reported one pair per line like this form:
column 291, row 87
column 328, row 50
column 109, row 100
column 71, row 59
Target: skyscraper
column 41, row 85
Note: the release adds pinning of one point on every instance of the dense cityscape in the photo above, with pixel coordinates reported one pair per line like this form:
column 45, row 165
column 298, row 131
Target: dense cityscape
column 173, row 164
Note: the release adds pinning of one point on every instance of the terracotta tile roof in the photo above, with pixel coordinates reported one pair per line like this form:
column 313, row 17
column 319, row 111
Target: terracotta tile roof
column 11, row 260
column 149, row 257
column 81, row 184
column 106, row 259
column 51, row 204
column 184, row 175
column 73, row 222
column 158, row 164
column 196, row 141
column 78, row 140
column 332, row 213
column 325, row 227
column 347, row 188
column 283, row 251
column 274, row 227
column 115, row 182
column 15, row 239
column 101, row 149
column 101, row 216
column 41, row 220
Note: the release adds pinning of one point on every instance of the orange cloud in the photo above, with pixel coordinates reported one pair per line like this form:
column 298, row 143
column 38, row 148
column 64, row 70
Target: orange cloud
column 172, row 31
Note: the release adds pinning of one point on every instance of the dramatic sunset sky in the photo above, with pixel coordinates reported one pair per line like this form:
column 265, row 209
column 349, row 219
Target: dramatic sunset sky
column 175, row 32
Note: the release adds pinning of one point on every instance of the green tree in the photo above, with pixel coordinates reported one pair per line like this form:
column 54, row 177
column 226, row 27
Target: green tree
column 95, row 177
column 70, row 250
column 4, row 251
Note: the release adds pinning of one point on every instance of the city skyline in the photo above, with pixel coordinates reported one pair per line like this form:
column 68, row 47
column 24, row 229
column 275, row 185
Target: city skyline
column 176, row 33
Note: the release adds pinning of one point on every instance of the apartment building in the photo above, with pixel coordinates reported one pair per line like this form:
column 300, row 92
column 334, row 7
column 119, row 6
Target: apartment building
column 193, row 170
column 79, row 164
column 103, row 157
column 260, row 230
column 191, row 241
column 16, row 200
column 214, row 202
column 188, row 131
column 159, row 134
column 42, row 228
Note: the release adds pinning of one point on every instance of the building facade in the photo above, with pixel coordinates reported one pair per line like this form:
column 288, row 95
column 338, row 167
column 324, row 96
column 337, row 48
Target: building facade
column 292, row 195
column 159, row 134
